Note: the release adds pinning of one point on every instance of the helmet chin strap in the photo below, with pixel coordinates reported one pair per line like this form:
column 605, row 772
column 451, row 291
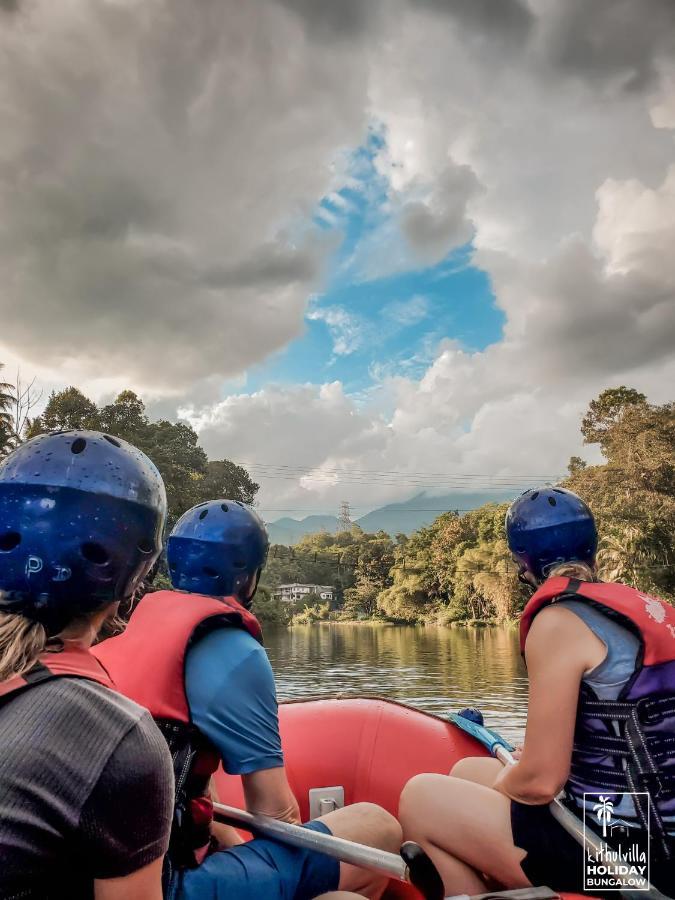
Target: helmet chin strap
column 248, row 601
column 526, row 581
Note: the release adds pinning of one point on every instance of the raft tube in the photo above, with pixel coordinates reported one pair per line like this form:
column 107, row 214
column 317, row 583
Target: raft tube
column 368, row 746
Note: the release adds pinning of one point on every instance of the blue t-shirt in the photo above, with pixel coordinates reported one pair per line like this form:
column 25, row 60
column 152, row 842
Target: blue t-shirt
column 230, row 690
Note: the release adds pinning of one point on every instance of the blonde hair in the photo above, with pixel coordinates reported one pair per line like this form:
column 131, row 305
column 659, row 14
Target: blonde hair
column 573, row 569
column 22, row 641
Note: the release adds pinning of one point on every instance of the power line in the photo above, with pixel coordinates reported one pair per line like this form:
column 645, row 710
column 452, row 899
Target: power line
column 312, row 467
column 279, row 470
column 454, row 509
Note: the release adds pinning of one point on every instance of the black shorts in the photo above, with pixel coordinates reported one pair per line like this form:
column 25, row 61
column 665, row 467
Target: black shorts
column 555, row 860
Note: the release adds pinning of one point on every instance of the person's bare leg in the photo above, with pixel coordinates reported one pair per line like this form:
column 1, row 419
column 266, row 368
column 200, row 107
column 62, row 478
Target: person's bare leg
column 340, row 895
column 479, row 769
column 466, row 830
column 369, row 824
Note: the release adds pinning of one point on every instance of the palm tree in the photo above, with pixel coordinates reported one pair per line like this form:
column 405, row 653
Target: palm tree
column 6, row 415
column 603, row 811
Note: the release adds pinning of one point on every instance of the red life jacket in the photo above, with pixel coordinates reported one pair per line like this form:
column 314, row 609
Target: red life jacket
column 72, row 663
column 625, row 745
column 147, row 663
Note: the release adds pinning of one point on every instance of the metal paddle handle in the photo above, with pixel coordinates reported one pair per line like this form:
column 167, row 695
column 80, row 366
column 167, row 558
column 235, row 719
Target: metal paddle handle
column 413, row 866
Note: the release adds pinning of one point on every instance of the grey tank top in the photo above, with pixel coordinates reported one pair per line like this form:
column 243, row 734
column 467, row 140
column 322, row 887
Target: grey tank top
column 609, row 677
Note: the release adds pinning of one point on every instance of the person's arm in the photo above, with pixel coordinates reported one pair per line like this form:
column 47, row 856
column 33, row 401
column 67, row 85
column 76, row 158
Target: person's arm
column 268, row 792
column 232, row 697
column 145, row 884
column 560, row 648
column 126, row 820
column 225, row 836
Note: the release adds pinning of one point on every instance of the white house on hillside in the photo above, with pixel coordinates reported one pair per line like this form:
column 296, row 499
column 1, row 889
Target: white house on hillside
column 292, row 593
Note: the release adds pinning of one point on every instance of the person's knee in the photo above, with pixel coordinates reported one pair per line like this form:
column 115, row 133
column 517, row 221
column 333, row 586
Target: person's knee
column 415, row 791
column 461, row 767
column 381, row 824
column 340, row 895
column 479, row 769
column 414, row 797
column 366, row 823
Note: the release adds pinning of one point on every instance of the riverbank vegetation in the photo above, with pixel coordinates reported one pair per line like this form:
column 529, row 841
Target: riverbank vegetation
column 458, row 570
column 453, row 571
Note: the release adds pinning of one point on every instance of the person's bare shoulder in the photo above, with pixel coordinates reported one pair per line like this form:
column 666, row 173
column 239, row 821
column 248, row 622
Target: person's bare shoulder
column 557, row 631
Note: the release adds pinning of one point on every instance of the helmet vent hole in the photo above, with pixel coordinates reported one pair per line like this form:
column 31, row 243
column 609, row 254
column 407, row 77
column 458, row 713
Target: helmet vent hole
column 535, row 495
column 94, row 553
column 203, row 514
column 112, row 440
column 239, row 564
column 146, row 546
column 78, row 445
column 9, row 541
column 224, row 507
column 558, row 491
column 552, row 501
column 210, row 572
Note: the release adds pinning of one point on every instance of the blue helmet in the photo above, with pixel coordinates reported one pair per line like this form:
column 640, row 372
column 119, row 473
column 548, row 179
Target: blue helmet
column 81, row 521
column 216, row 547
column 548, row 526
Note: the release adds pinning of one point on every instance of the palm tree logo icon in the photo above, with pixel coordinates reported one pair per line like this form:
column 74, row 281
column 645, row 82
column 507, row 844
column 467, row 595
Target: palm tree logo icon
column 603, row 811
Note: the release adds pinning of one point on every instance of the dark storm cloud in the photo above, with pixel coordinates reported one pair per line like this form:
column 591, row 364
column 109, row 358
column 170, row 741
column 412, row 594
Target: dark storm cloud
column 157, row 171
column 609, row 39
column 271, row 265
column 334, row 20
column 508, row 19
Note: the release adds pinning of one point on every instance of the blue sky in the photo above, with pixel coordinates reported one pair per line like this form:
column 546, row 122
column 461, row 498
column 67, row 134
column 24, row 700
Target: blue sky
column 367, row 325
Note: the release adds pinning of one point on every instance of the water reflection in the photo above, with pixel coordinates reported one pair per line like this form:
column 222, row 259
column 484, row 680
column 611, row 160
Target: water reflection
column 439, row 669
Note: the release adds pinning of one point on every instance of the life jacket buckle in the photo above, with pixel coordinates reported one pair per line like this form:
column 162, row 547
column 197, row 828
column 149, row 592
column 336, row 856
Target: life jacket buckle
column 647, row 711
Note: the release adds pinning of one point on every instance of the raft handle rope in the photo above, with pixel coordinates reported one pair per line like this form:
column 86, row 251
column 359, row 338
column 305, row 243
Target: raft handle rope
column 471, row 721
column 413, row 866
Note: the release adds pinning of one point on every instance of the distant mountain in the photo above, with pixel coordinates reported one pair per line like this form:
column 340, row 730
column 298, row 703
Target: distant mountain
column 395, row 518
column 422, row 510
column 289, row 531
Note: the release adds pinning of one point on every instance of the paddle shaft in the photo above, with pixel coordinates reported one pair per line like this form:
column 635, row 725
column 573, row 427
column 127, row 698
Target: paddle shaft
column 338, row 848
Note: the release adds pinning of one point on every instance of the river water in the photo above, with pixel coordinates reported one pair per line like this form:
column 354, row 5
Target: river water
column 437, row 669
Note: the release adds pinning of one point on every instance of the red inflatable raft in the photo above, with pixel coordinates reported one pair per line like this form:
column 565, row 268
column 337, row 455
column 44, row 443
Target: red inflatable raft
column 368, row 746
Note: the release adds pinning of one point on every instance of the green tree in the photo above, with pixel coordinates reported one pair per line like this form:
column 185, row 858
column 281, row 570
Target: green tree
column 633, row 495
column 224, row 478
column 174, row 448
column 66, row 410
column 269, row 610
column 607, row 410
column 6, row 418
column 492, row 576
column 125, row 418
column 576, row 465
